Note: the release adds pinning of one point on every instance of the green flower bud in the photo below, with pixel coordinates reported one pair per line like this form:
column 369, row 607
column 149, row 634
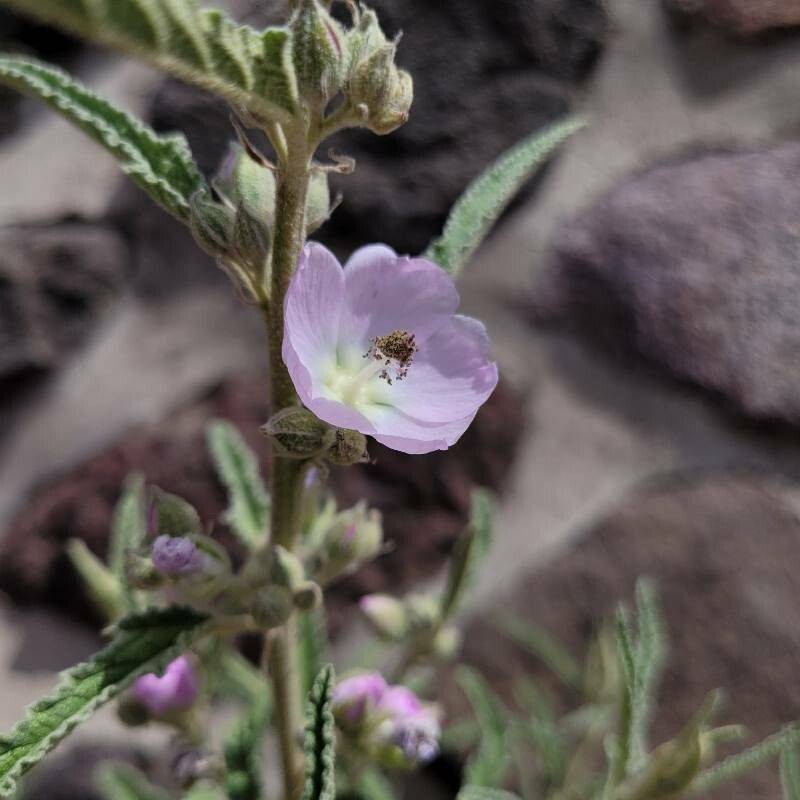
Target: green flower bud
column 424, row 612
column 354, row 536
column 318, row 54
column 349, row 447
column 447, row 643
column 308, row 596
column 211, row 224
column 286, row 568
column 252, row 240
column 272, row 607
column 318, row 205
column 172, row 515
column 386, row 616
column 297, row 433
column 247, row 183
column 140, row 572
column 394, row 111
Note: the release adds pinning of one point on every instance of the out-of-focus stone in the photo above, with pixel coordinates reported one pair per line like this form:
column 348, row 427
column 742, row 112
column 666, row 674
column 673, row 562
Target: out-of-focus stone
column 55, row 282
column 742, row 17
column 693, row 264
column 722, row 552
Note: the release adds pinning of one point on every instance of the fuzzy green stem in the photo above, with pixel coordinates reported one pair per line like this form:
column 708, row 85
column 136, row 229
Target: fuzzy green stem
column 290, row 204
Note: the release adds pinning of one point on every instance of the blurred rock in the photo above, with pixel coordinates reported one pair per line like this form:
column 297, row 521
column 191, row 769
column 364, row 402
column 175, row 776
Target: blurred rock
column 722, row 552
column 693, row 264
column 742, row 17
column 55, row 282
column 428, row 495
column 486, row 75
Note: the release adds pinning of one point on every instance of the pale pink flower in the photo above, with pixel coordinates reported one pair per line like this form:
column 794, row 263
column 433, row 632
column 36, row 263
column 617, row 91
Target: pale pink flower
column 377, row 347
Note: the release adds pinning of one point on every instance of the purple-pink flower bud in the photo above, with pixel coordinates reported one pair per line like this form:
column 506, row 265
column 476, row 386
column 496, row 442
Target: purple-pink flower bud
column 175, row 690
column 355, row 697
column 176, row 555
column 412, row 725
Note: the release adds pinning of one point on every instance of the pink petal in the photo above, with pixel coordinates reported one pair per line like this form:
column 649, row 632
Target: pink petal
column 385, row 292
column 313, row 306
column 451, row 375
column 311, row 394
column 409, row 435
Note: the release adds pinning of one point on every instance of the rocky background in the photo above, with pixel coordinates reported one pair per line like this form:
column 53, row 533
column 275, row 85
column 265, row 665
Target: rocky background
column 643, row 298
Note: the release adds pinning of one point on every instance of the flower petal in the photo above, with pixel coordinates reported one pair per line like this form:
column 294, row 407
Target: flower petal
column 413, row 436
column 451, row 375
column 310, row 392
column 385, row 292
column 313, row 306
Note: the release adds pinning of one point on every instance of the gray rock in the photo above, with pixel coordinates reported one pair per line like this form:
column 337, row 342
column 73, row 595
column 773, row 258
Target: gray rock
column 742, row 17
column 722, row 552
column 54, row 283
column 486, row 75
column 693, row 264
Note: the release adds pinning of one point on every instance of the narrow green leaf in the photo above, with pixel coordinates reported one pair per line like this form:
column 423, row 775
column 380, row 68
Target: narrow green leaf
column 741, row 763
column 476, row 212
column 118, row 781
column 471, row 548
column 248, row 68
column 128, row 531
column 143, row 643
column 242, row 750
column 487, row 767
column 237, row 466
column 471, row 792
column 313, row 644
column 539, row 643
column 161, row 165
column 790, row 774
column 104, row 588
column 320, row 743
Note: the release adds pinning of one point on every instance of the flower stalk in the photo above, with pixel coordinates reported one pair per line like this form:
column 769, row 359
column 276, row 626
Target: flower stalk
column 293, row 174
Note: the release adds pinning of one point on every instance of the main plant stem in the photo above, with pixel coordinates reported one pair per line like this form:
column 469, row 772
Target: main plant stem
column 289, row 235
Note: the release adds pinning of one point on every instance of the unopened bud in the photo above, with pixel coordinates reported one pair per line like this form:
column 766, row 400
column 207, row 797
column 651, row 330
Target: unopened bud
column 297, row 433
column 141, row 572
column 272, row 607
column 394, row 111
column 172, row 515
column 252, row 241
column 318, row 54
column 246, row 182
column 349, row 447
column 177, row 556
column 354, row 536
column 424, row 611
column 318, row 204
column 447, row 643
column 308, row 596
column 386, row 615
column 211, row 224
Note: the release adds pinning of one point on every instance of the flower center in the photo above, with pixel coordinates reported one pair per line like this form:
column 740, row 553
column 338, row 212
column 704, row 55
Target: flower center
column 388, row 359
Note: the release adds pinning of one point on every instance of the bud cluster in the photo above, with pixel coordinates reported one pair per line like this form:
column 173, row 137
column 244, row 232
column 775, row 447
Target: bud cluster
column 388, row 724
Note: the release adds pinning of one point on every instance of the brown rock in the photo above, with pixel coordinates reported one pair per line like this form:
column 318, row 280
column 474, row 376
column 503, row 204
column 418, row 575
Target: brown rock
column 742, row 17
column 722, row 552
column 693, row 265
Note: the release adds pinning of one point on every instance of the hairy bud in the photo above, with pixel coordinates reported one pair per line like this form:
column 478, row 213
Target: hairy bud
column 211, row 224
column 386, row 615
column 252, row 240
column 447, row 643
column 272, row 607
column 318, row 53
column 349, row 447
column 172, row 515
column 297, row 433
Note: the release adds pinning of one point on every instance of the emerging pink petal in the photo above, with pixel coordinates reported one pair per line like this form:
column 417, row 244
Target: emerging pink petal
column 377, row 347
column 175, row 690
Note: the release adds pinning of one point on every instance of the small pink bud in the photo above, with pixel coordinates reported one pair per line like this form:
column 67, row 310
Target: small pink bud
column 176, row 555
column 175, row 690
